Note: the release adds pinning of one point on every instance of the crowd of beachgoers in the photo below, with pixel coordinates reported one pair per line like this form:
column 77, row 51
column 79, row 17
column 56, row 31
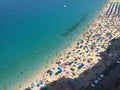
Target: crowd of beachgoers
column 81, row 65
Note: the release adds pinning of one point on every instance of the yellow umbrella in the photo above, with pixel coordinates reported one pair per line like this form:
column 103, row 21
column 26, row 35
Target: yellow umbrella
column 49, row 79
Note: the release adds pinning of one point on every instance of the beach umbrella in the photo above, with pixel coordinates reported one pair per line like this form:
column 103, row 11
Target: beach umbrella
column 88, row 39
column 73, row 67
column 32, row 85
column 70, row 62
column 69, row 52
column 88, row 61
column 93, row 63
column 60, row 71
column 77, row 58
column 48, row 71
column 67, row 56
column 74, row 61
column 60, row 67
column 93, row 43
column 86, row 46
column 39, row 83
column 82, row 41
column 35, row 81
column 57, row 73
column 93, row 57
column 81, row 65
column 48, row 79
column 44, row 88
column 78, row 43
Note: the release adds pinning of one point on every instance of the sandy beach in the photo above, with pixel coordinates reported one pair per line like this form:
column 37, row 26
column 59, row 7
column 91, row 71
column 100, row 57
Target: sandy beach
column 82, row 55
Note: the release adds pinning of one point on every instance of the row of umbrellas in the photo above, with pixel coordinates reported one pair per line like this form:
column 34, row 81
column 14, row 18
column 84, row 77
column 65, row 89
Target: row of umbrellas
column 114, row 8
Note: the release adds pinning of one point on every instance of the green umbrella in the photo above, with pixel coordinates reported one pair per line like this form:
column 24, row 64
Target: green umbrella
column 88, row 39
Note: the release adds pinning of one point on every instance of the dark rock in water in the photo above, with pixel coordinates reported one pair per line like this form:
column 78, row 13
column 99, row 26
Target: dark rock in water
column 75, row 26
column 21, row 72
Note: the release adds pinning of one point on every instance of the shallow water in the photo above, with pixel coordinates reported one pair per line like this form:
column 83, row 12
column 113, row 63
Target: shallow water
column 32, row 31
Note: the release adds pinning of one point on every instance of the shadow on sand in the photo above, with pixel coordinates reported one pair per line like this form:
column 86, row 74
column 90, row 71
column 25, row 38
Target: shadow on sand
column 104, row 67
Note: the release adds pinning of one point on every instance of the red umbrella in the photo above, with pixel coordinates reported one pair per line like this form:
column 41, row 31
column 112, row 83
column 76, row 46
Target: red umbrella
column 77, row 58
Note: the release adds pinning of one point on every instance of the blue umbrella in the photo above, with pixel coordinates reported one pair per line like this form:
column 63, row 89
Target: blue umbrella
column 38, row 84
column 81, row 66
column 60, row 71
column 33, row 85
column 60, row 67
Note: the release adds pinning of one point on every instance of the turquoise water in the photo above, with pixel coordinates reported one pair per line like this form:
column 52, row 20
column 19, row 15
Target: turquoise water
column 33, row 31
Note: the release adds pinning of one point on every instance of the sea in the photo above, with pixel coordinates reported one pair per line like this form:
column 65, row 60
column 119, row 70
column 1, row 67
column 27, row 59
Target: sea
column 33, row 32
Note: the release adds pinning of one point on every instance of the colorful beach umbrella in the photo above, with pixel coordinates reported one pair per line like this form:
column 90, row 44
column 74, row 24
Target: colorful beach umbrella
column 81, row 65
column 49, row 79
column 39, row 84
column 60, row 67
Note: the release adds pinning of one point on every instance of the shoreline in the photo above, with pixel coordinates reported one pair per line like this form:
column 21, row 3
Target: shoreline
column 69, row 49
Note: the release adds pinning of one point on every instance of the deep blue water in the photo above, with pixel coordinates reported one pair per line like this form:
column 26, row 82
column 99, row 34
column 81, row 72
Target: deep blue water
column 32, row 31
